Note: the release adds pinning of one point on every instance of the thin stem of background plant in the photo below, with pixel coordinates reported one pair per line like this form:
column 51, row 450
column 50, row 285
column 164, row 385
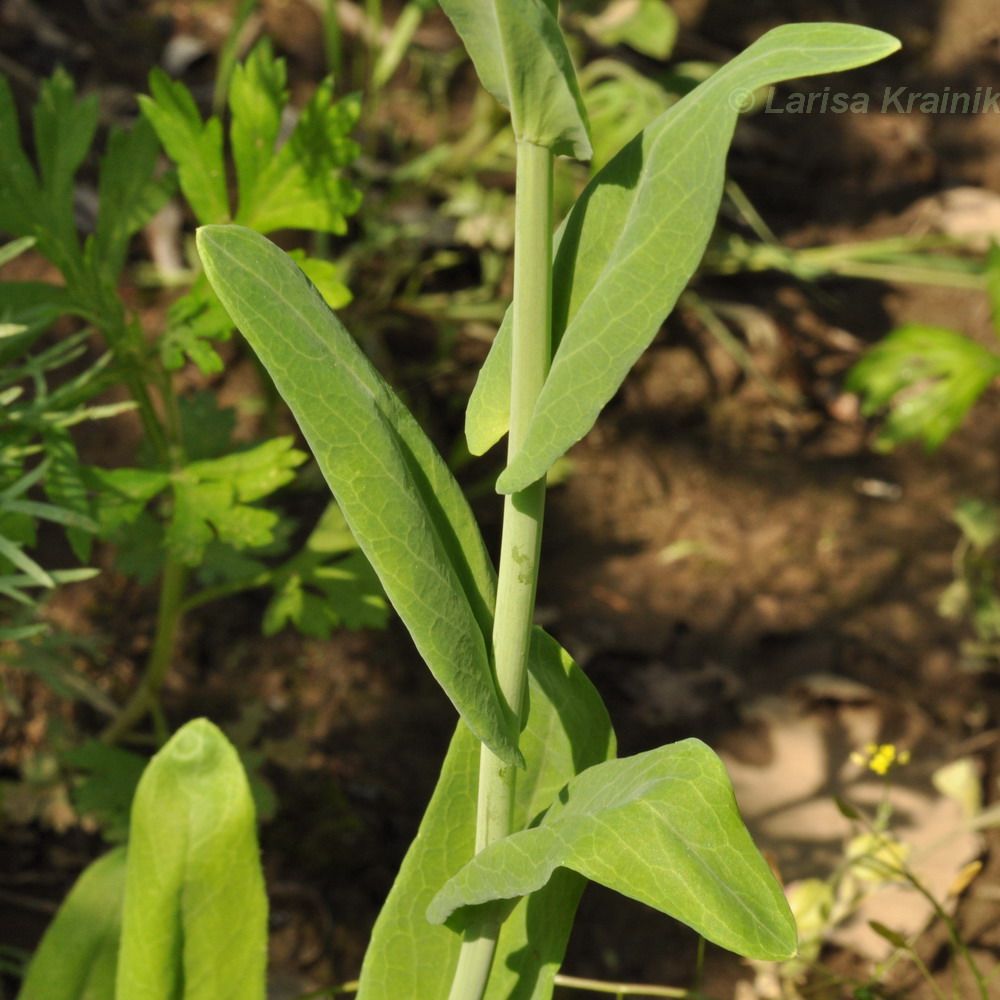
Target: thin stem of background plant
column 146, row 695
column 623, row 990
column 522, row 525
column 235, row 40
column 620, row 990
column 894, row 259
column 333, row 44
column 399, row 41
column 373, row 16
column 901, row 868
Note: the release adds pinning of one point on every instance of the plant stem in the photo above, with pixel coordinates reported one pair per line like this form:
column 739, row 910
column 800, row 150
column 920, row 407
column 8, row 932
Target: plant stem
column 628, row 989
column 208, row 594
column 373, row 13
column 522, row 515
column 522, row 525
column 229, row 54
column 333, row 44
column 164, row 642
column 402, row 34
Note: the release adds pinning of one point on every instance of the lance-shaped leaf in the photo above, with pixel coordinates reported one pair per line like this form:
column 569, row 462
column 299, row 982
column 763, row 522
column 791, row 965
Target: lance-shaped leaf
column 398, row 496
column 195, row 914
column 635, row 237
column 521, row 58
column 662, row 827
column 77, row 957
column 567, row 731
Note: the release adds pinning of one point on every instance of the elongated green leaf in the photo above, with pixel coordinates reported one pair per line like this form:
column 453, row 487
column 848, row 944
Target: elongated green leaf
column 77, row 957
column 12, row 552
column 634, row 239
column 662, row 827
column 195, row 914
column 14, row 249
column 521, row 57
column 568, row 730
column 403, row 505
column 50, row 512
column 33, row 305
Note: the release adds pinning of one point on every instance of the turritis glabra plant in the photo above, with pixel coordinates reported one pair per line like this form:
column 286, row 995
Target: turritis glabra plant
column 532, row 800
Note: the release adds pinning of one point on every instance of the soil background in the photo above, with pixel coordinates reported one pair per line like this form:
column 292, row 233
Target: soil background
column 716, row 557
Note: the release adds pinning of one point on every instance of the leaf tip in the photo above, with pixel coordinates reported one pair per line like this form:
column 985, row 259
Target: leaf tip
column 203, row 235
column 514, row 478
column 884, row 43
column 438, row 910
column 475, row 442
column 508, row 752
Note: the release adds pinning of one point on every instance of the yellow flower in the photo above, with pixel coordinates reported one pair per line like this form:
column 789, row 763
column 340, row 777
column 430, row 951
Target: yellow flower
column 880, row 757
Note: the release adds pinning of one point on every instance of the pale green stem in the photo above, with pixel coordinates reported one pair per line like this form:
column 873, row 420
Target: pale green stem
column 522, row 525
column 628, row 989
column 570, row 982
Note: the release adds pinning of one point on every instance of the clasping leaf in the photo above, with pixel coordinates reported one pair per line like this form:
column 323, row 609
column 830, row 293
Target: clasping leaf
column 662, row 827
column 568, row 730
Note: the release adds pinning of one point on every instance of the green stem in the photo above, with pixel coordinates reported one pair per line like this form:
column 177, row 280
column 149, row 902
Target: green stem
column 907, row 274
column 229, row 54
column 207, row 594
column 333, row 44
column 569, row 982
column 628, row 989
column 125, row 339
column 165, row 640
column 522, row 525
column 374, row 20
column 402, row 34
